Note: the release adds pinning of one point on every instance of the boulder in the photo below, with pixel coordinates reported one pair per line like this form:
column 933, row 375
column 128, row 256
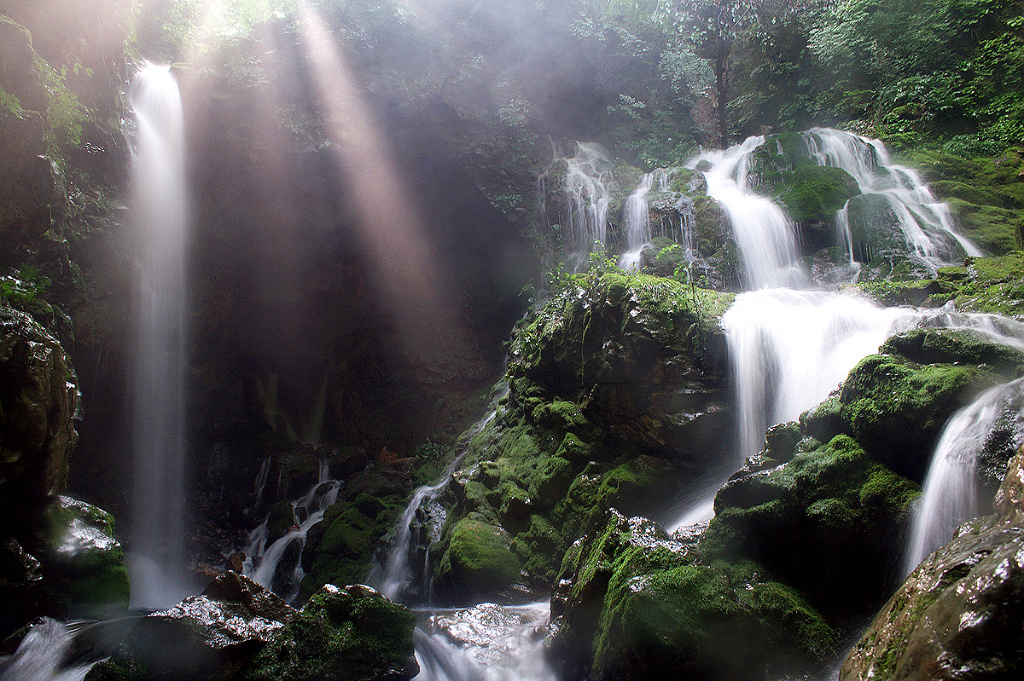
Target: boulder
column 896, row 408
column 344, row 634
column 824, row 522
column 959, row 614
column 212, row 636
column 631, row 603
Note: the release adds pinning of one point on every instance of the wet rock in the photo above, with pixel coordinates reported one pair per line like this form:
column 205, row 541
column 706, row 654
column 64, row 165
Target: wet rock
column 477, row 561
column 493, row 634
column 38, row 398
column 349, row 634
column 824, row 522
column 631, row 603
column 83, row 564
column 958, row 615
column 212, row 635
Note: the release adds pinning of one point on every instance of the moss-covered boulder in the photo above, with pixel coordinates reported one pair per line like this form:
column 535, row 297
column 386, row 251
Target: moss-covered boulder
column 633, row 604
column 347, row 634
column 643, row 356
column 825, row 522
column 84, row 568
column 477, row 560
column 896, row 408
column 958, row 615
column 338, row 549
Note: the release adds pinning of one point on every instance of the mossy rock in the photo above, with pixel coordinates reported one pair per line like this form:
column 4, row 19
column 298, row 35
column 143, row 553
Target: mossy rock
column 633, row 604
column 477, row 560
column 83, row 565
column 955, row 346
column 348, row 634
column 825, row 523
column 896, row 408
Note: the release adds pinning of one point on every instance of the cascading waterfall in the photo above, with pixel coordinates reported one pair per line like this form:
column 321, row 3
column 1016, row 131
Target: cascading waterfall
column 263, row 563
column 949, row 496
column 763, row 232
column 926, row 222
column 790, row 348
column 588, row 182
column 157, row 551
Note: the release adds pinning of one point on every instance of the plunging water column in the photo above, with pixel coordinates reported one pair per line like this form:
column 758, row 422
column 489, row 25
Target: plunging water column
column 156, row 555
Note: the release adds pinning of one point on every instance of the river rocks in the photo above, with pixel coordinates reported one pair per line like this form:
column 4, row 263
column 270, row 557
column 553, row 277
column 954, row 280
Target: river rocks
column 631, row 603
column 958, row 616
column 349, row 634
column 236, row 629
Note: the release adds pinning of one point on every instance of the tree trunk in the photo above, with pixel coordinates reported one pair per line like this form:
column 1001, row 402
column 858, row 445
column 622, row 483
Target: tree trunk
column 721, row 87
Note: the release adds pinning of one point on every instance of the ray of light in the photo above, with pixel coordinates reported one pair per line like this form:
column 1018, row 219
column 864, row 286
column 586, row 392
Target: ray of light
column 389, row 229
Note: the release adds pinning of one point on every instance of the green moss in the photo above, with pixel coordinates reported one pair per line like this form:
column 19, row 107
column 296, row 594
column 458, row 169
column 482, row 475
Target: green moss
column 813, row 193
column 478, row 558
column 345, row 634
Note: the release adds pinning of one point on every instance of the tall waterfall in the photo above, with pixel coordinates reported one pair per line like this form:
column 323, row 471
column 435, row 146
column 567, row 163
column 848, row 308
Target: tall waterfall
column 157, row 552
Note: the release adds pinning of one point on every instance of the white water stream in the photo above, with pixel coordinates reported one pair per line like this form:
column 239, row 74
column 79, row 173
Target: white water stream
column 156, row 558
column 950, row 493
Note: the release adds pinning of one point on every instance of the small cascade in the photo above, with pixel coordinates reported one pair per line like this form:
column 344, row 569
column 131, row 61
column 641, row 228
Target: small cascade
column 950, row 493
column 156, row 557
column 264, row 564
column 926, row 222
column 764, row 234
column 588, row 186
column 260, row 484
column 483, row 642
column 42, row 654
column 404, row 571
column 636, row 216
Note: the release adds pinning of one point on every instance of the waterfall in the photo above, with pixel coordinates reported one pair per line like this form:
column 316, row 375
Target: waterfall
column 263, row 563
column 588, row 187
column 763, row 232
column 636, row 216
column 926, row 222
column 157, row 551
column 949, row 496
column 789, row 349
